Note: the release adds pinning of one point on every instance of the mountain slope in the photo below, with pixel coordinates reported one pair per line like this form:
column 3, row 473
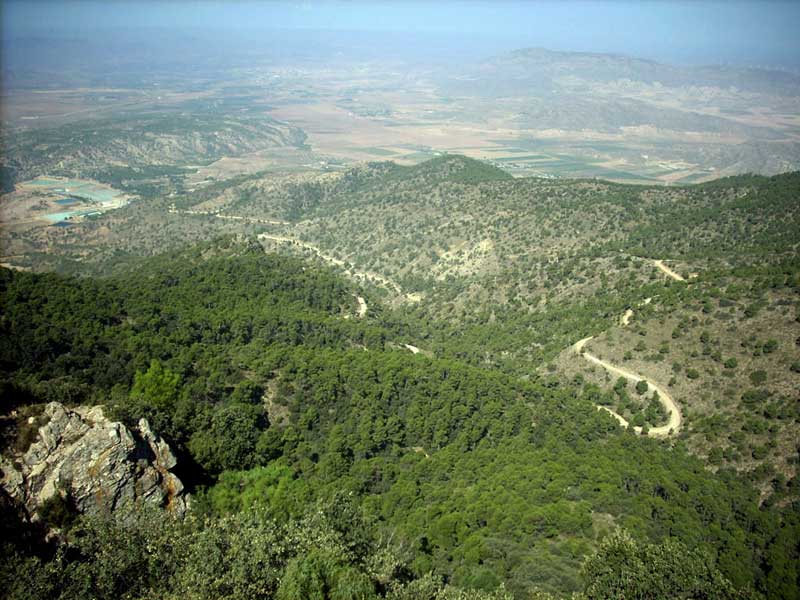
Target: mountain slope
column 251, row 361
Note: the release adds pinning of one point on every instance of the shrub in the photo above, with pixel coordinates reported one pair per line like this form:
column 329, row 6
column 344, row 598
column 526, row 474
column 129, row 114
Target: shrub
column 625, row 568
column 58, row 510
column 753, row 398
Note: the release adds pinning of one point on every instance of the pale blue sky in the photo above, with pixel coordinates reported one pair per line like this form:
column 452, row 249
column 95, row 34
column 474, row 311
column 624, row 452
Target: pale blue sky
column 755, row 33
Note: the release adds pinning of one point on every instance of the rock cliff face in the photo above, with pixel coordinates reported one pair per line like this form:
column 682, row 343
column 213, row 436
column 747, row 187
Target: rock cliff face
column 100, row 465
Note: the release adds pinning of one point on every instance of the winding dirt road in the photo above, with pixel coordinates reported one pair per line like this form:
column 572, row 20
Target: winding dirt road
column 362, row 275
column 208, row 213
column 673, row 410
column 673, row 425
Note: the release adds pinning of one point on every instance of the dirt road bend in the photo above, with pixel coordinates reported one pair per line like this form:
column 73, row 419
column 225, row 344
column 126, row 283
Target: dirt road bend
column 673, row 425
column 362, row 275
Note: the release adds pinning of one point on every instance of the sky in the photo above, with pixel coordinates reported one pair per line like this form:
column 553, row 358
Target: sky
column 761, row 33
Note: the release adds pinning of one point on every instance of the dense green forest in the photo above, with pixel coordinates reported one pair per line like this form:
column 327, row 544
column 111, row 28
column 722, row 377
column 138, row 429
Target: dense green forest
column 325, row 461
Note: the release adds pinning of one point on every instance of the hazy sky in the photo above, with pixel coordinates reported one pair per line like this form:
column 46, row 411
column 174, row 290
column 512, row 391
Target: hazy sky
column 756, row 33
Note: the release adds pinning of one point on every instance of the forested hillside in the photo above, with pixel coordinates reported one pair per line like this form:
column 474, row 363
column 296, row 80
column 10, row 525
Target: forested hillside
column 326, row 460
column 399, row 301
column 523, row 268
column 510, row 273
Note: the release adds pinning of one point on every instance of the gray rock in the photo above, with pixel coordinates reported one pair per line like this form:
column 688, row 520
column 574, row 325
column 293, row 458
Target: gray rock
column 100, row 464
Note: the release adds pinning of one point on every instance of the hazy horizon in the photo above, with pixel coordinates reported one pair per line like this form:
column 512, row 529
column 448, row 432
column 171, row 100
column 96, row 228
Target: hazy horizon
column 738, row 33
column 357, row 80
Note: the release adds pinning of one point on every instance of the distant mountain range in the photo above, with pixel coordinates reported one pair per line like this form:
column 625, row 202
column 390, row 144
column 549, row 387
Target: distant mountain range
column 541, row 66
column 635, row 114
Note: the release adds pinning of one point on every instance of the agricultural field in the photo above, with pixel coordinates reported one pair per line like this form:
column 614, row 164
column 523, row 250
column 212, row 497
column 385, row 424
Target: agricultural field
column 591, row 123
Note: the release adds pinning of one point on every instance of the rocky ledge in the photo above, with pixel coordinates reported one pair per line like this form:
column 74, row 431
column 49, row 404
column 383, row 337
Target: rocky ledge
column 99, row 465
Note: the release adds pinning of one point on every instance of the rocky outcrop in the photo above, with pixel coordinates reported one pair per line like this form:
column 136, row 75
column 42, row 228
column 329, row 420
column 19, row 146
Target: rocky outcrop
column 101, row 466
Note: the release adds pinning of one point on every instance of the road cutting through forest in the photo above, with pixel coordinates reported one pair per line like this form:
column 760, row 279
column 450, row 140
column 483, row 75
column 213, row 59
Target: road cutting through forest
column 216, row 215
column 671, row 407
column 362, row 304
column 660, row 264
column 669, row 404
column 363, row 275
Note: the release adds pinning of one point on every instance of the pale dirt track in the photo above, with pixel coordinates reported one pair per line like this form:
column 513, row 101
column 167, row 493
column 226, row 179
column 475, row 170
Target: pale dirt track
column 660, row 264
column 208, row 213
column 673, row 425
column 669, row 404
column 362, row 275
column 13, row 267
column 625, row 319
column 362, row 307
